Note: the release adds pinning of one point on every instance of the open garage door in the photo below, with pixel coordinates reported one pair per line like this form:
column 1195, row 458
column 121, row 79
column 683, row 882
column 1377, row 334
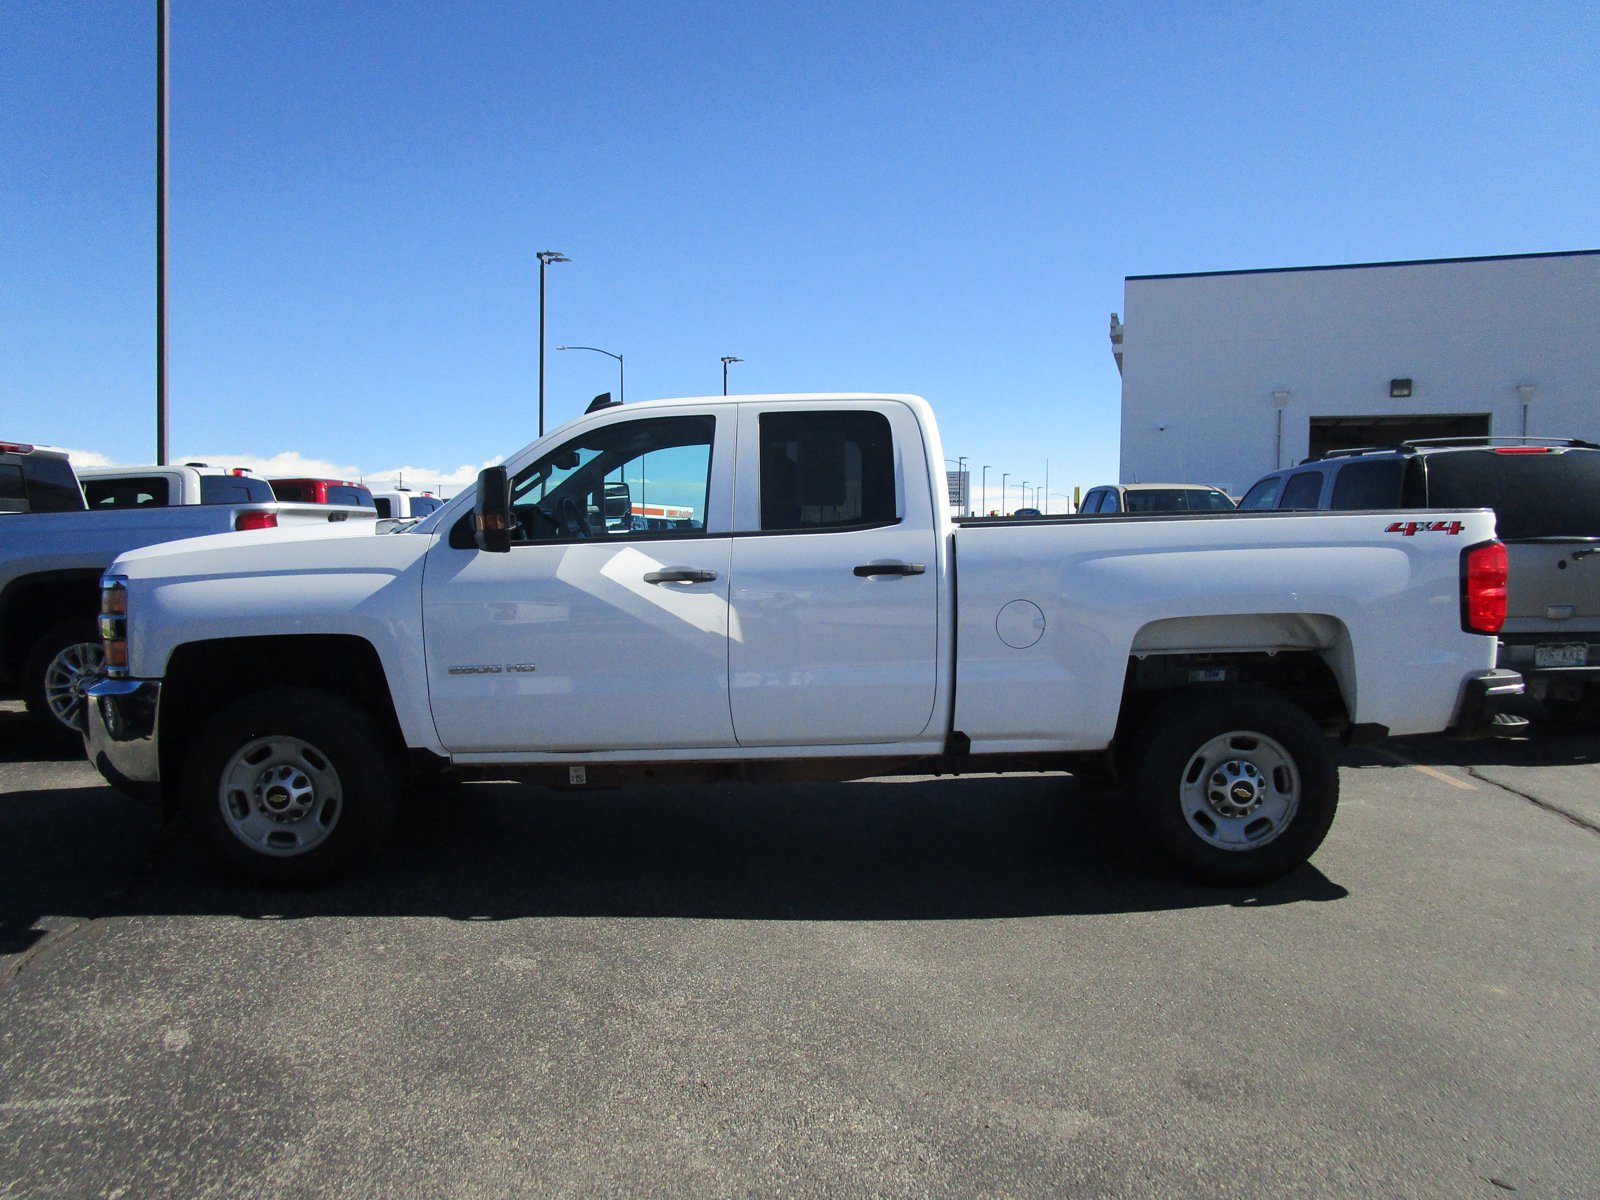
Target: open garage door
column 1351, row 433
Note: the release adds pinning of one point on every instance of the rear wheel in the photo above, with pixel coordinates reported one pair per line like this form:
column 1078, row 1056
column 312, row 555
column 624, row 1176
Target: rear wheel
column 67, row 659
column 1235, row 786
column 289, row 788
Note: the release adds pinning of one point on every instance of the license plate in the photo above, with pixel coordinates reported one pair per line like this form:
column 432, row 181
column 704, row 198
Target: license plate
column 1574, row 655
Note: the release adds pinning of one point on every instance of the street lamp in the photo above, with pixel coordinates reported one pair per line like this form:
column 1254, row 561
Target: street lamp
column 726, row 359
column 985, row 503
column 608, row 354
column 546, row 257
column 161, row 234
column 1024, row 495
column 1004, row 475
column 961, row 474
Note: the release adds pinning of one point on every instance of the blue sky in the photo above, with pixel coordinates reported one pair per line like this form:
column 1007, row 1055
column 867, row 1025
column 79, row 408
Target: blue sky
column 933, row 198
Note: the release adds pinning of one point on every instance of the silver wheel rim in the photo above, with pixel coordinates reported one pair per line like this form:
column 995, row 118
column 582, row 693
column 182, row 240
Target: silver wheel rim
column 1240, row 791
column 73, row 668
column 280, row 796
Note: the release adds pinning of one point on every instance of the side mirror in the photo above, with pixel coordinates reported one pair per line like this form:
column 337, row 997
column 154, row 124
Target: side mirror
column 491, row 513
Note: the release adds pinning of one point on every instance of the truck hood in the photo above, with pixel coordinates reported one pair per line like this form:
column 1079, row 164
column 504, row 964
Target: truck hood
column 282, row 551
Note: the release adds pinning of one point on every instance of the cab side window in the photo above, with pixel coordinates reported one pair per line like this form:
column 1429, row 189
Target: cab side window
column 826, row 470
column 1371, row 484
column 630, row 479
column 1264, row 494
column 1302, row 490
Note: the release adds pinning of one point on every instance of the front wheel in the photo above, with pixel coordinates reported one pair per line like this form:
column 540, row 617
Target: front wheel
column 287, row 788
column 67, row 659
column 1236, row 786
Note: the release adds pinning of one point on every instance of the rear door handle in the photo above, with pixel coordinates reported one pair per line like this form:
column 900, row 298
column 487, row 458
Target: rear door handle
column 680, row 575
column 868, row 570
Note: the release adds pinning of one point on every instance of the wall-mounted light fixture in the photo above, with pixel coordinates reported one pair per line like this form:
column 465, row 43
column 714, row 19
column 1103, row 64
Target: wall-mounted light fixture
column 1525, row 391
column 1399, row 389
column 1280, row 397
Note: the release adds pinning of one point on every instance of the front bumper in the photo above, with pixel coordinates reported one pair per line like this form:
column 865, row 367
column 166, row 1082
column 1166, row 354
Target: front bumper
column 1483, row 697
column 120, row 734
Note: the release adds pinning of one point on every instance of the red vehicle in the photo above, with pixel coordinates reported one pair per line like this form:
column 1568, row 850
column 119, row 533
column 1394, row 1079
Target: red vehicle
column 323, row 491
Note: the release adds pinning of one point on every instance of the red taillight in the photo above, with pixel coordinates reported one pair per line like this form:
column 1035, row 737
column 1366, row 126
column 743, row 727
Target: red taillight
column 1483, row 588
column 1522, row 450
column 256, row 520
column 15, row 448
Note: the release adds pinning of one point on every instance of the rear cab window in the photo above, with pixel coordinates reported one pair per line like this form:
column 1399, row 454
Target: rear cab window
column 234, row 489
column 134, row 491
column 826, row 470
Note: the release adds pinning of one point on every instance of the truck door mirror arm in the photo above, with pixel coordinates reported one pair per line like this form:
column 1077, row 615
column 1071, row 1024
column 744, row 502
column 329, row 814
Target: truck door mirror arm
column 491, row 512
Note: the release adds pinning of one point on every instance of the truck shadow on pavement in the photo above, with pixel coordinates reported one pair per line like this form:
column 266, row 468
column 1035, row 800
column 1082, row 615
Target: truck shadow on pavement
column 1546, row 743
column 953, row 849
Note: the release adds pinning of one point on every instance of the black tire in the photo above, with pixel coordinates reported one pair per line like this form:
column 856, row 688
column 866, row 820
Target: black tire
column 1235, row 786
column 68, row 656
column 289, row 788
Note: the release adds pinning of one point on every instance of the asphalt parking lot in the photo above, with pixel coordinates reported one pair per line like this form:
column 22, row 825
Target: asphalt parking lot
column 962, row 988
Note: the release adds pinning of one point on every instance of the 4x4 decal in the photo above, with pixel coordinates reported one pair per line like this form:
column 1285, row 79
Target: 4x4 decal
column 1411, row 528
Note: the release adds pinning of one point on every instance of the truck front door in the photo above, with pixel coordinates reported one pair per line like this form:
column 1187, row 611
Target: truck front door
column 601, row 629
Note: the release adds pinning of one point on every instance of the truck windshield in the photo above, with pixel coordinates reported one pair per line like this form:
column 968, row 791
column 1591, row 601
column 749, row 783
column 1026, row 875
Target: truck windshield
column 1555, row 494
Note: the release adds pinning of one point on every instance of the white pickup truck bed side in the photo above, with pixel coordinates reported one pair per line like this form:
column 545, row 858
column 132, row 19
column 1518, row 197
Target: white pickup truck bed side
column 807, row 610
column 1103, row 591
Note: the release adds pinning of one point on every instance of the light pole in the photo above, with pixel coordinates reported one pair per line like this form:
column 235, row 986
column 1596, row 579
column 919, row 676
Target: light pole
column 161, row 232
column 1024, row 496
column 608, row 354
column 961, row 476
column 726, row 359
column 985, row 502
column 546, row 257
column 1004, row 475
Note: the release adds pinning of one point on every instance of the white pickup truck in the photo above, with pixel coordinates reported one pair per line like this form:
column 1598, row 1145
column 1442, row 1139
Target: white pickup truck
column 812, row 614
column 51, row 563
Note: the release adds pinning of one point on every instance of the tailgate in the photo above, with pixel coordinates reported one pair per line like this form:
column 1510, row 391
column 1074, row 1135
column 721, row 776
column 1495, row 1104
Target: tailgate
column 1553, row 589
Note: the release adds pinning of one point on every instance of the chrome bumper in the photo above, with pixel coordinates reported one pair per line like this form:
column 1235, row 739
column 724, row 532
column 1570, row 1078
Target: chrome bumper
column 120, row 734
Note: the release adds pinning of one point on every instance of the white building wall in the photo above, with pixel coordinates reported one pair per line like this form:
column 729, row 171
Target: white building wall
column 1203, row 355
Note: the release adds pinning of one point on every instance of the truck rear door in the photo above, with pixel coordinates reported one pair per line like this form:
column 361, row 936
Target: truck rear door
column 834, row 612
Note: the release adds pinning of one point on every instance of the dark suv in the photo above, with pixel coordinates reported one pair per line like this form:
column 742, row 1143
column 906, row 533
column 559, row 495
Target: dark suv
column 1546, row 497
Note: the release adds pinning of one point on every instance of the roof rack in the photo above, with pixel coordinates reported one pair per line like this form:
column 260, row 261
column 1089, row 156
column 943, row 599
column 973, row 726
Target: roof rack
column 1412, row 445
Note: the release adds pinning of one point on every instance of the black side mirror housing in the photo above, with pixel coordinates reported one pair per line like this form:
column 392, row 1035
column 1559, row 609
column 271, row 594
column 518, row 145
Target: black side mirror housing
column 491, row 512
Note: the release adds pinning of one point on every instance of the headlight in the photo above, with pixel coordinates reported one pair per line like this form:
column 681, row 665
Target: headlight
column 114, row 623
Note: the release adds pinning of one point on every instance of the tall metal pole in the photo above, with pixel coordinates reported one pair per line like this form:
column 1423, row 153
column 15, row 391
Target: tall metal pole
column 546, row 257
column 161, row 232
column 1004, row 475
column 985, row 503
column 1046, row 507
column 726, row 359
column 961, row 477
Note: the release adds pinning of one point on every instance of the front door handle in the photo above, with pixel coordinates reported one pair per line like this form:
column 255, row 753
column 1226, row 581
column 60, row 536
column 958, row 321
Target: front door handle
column 680, row 575
column 868, row 570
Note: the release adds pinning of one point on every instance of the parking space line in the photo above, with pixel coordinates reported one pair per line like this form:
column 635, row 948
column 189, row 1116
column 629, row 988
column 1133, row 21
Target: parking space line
column 1431, row 772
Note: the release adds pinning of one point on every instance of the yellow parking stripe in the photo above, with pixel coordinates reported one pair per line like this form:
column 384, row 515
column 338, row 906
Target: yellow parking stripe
column 1431, row 772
